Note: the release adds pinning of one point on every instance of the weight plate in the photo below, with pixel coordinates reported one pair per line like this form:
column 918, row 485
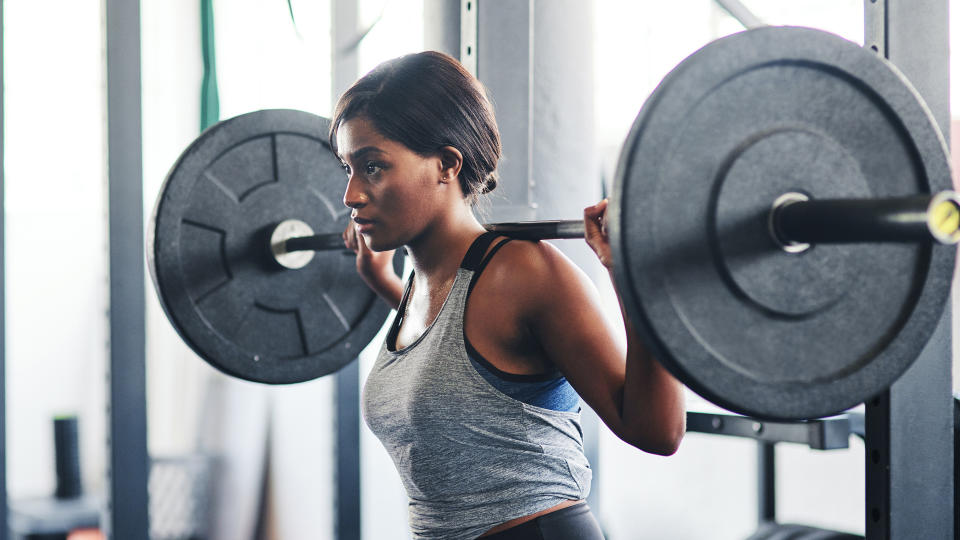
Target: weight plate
column 208, row 250
column 742, row 322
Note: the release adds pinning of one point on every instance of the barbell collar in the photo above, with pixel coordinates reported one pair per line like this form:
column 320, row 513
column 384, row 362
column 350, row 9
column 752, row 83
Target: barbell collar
column 292, row 259
column 798, row 221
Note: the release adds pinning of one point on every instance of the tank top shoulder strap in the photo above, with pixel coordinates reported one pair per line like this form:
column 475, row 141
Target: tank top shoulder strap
column 475, row 254
column 481, row 258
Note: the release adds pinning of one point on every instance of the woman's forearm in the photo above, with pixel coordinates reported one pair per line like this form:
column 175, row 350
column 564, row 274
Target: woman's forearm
column 653, row 409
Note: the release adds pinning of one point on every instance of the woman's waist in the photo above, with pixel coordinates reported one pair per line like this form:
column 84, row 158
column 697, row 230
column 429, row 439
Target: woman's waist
column 530, row 517
column 440, row 479
column 471, row 518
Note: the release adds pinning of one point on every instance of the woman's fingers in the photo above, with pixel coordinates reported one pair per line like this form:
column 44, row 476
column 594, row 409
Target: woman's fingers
column 595, row 231
column 594, row 219
column 362, row 249
column 373, row 265
column 350, row 237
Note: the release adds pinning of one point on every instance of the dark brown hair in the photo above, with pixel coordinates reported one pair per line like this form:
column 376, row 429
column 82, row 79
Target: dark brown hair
column 426, row 101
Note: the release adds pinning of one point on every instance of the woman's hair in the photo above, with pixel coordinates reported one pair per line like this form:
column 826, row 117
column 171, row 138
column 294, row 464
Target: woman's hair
column 427, row 101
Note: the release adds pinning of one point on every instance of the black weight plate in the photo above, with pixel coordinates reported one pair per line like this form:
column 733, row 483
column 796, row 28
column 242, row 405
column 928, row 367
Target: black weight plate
column 208, row 251
column 748, row 326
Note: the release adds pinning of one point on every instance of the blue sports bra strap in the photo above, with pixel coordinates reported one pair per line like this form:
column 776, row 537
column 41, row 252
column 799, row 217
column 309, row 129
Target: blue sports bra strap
column 474, row 256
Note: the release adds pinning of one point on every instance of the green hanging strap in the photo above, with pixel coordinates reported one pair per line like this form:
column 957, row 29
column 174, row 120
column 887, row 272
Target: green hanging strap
column 293, row 19
column 209, row 96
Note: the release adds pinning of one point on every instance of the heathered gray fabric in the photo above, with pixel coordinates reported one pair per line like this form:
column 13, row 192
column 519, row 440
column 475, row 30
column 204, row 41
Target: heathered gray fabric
column 469, row 456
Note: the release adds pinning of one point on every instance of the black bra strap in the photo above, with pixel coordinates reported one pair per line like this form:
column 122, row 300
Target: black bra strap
column 474, row 260
column 484, row 262
column 474, row 256
column 398, row 318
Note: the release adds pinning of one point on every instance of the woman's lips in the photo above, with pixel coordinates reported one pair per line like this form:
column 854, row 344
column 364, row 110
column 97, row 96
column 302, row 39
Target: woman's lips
column 363, row 225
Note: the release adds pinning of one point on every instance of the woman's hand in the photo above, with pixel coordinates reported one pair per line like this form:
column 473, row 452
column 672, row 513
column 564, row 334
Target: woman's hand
column 371, row 265
column 374, row 267
column 595, row 231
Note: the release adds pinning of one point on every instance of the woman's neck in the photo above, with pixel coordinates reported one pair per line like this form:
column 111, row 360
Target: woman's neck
column 436, row 254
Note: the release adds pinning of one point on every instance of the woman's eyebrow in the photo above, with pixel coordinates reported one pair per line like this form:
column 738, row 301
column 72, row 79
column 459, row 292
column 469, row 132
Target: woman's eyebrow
column 364, row 151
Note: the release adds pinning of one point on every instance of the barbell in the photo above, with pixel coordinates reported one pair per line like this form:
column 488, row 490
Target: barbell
column 794, row 221
column 776, row 221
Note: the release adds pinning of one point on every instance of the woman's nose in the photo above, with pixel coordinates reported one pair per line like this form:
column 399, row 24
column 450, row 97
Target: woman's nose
column 354, row 197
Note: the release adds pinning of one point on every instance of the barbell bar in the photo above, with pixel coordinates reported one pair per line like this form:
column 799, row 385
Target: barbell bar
column 795, row 222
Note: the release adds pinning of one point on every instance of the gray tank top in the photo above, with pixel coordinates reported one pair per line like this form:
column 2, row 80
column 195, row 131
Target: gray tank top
column 469, row 456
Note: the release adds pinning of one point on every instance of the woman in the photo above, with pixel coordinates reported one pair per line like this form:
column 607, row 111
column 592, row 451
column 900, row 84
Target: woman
column 473, row 392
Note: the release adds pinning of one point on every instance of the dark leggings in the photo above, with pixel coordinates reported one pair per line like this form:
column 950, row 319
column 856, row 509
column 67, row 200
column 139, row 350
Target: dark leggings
column 571, row 523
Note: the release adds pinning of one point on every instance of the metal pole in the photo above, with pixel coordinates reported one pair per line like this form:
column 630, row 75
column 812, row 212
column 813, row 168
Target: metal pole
column 3, row 347
column 739, row 11
column 441, row 26
column 343, row 35
column 129, row 462
column 469, row 24
column 908, row 482
column 766, row 482
column 345, row 17
column 504, row 53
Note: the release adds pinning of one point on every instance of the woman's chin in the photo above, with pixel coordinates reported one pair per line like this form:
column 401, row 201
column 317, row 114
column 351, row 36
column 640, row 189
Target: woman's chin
column 379, row 244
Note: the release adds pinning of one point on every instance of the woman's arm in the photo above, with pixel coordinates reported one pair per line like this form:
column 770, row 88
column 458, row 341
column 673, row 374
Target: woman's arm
column 630, row 391
column 646, row 382
column 653, row 400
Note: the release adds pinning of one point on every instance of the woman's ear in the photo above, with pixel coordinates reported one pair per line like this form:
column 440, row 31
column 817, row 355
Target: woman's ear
column 451, row 160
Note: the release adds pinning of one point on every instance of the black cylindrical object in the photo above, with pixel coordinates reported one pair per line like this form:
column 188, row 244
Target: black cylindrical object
column 840, row 221
column 317, row 242
column 67, row 452
column 795, row 220
column 524, row 230
column 539, row 230
column 766, row 482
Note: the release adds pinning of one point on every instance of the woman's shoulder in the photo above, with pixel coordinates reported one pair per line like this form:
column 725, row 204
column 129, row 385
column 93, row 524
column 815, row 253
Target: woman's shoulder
column 533, row 270
column 528, row 255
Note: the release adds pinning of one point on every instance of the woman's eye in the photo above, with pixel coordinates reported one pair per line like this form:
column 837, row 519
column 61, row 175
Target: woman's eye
column 346, row 168
column 372, row 168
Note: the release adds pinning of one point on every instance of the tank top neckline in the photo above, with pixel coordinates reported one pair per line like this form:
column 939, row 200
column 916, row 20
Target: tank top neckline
column 470, row 262
column 398, row 319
